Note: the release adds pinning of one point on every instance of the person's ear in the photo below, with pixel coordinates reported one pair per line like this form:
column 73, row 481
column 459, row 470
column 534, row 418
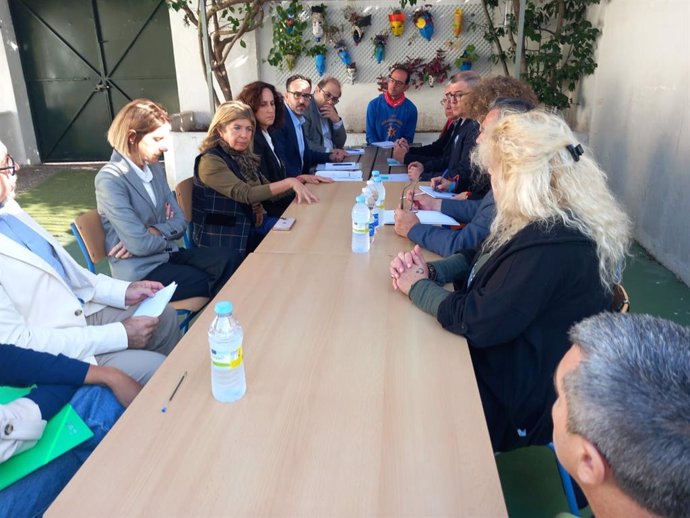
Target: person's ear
column 131, row 136
column 591, row 465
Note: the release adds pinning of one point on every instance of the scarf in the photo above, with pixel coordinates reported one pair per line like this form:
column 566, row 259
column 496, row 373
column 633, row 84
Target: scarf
column 393, row 103
column 249, row 165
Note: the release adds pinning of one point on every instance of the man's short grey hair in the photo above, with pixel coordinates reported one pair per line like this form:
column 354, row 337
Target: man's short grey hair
column 469, row 77
column 630, row 396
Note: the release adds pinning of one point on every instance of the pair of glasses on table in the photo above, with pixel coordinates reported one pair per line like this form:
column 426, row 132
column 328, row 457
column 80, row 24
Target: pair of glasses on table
column 406, row 204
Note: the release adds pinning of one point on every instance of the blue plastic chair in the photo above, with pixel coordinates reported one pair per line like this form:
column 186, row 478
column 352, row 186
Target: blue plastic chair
column 567, row 484
column 90, row 236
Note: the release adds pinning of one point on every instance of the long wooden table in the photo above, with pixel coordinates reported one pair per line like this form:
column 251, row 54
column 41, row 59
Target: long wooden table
column 358, row 404
column 376, row 158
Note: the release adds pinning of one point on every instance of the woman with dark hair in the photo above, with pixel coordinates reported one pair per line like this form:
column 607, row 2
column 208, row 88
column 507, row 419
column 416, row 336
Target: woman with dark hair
column 269, row 111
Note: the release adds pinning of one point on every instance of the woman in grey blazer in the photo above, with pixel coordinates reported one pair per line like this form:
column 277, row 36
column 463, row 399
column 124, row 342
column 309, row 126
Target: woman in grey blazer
column 140, row 215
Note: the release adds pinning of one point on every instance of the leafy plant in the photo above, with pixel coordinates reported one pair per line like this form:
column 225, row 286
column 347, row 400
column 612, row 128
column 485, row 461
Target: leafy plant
column 558, row 45
column 469, row 55
column 228, row 22
column 437, row 68
column 288, row 28
column 317, row 50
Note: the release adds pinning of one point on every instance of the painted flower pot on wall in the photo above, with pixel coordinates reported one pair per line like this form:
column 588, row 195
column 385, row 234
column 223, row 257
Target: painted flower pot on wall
column 320, row 62
column 397, row 22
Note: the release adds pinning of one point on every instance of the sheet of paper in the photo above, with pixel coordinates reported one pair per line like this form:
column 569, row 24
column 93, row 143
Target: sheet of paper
column 427, row 217
column 342, row 176
column 154, row 306
column 354, row 150
column 395, row 177
column 392, row 162
column 436, row 194
column 384, row 145
column 338, row 166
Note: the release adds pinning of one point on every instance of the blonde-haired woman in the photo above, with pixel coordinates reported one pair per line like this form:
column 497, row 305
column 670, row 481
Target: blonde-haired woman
column 140, row 215
column 229, row 186
column 555, row 250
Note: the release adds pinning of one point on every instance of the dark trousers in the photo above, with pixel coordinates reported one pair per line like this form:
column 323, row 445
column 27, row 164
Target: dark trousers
column 198, row 272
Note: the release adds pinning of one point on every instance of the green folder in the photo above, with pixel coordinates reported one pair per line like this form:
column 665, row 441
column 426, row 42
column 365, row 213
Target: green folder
column 63, row 432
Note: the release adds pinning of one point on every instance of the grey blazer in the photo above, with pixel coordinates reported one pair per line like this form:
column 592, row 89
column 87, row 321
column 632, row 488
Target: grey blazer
column 127, row 211
column 314, row 132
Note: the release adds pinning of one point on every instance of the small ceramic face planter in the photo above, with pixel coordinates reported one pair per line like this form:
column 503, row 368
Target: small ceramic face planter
column 358, row 28
column 425, row 23
column 380, row 47
column 397, row 23
column 431, row 80
column 317, row 22
column 343, row 54
column 351, row 71
column 457, row 22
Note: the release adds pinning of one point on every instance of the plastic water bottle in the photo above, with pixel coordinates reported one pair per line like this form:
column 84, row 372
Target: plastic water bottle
column 381, row 199
column 360, row 226
column 228, row 381
column 371, row 205
column 375, row 195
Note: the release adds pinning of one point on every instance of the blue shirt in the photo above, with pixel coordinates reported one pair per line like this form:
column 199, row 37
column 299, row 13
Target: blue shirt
column 297, row 122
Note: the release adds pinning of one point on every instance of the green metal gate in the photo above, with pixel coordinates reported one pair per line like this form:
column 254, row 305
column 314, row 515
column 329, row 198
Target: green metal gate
column 85, row 59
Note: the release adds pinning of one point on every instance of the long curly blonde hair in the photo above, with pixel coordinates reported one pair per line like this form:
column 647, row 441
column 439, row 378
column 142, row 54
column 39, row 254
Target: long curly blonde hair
column 537, row 179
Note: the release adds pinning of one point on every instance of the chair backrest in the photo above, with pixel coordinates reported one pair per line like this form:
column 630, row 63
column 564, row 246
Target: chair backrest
column 88, row 230
column 621, row 301
column 183, row 192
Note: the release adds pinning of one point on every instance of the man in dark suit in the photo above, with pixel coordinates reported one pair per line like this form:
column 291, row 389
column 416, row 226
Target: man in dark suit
column 290, row 143
column 324, row 128
column 455, row 161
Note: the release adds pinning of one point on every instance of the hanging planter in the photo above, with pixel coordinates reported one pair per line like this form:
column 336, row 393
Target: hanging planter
column 437, row 69
column 379, row 42
column 319, row 53
column 318, row 19
column 358, row 23
column 457, row 22
column 351, row 71
column 343, row 53
column 397, row 22
column 468, row 56
column 424, row 22
column 288, row 27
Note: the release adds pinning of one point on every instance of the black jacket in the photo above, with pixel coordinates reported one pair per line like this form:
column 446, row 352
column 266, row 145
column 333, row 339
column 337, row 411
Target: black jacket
column 516, row 314
column 274, row 171
column 435, row 149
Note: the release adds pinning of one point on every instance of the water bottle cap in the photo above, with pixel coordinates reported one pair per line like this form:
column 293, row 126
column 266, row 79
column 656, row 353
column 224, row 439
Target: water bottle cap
column 378, row 179
column 375, row 172
column 223, row 308
column 360, row 199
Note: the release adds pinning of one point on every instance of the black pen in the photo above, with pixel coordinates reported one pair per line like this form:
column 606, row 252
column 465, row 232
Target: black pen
column 165, row 407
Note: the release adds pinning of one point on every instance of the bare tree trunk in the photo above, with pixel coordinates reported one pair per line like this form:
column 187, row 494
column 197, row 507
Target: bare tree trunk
column 497, row 42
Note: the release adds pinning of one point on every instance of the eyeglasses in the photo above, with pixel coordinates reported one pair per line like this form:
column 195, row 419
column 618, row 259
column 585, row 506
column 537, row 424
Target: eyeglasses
column 330, row 97
column 298, row 95
column 444, row 101
column 10, row 170
column 455, row 97
column 396, row 82
column 407, row 196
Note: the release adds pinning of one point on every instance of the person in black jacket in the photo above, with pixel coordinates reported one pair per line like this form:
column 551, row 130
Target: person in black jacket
column 554, row 252
column 269, row 111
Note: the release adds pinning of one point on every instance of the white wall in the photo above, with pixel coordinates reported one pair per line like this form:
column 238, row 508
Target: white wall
column 16, row 127
column 637, row 107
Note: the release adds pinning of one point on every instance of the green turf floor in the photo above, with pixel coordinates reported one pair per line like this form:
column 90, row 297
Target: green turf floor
column 529, row 478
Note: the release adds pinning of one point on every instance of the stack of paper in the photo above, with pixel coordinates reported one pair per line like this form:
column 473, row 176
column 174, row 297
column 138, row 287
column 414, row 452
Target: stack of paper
column 384, row 145
column 436, row 194
column 427, row 217
column 338, row 166
column 354, row 150
column 154, row 306
column 392, row 162
column 395, row 177
column 342, row 176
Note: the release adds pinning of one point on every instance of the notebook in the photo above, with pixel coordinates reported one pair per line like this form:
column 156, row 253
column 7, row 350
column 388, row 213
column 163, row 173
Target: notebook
column 63, row 432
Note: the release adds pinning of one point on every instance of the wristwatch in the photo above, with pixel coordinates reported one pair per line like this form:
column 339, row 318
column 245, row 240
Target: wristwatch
column 432, row 271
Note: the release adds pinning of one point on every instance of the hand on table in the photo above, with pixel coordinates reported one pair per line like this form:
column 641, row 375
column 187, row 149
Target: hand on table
column 314, row 179
column 415, row 170
column 404, row 221
column 425, row 202
column 120, row 252
column 407, row 268
column 337, row 155
column 139, row 331
column 302, row 193
column 400, row 149
column 462, row 196
column 140, row 290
